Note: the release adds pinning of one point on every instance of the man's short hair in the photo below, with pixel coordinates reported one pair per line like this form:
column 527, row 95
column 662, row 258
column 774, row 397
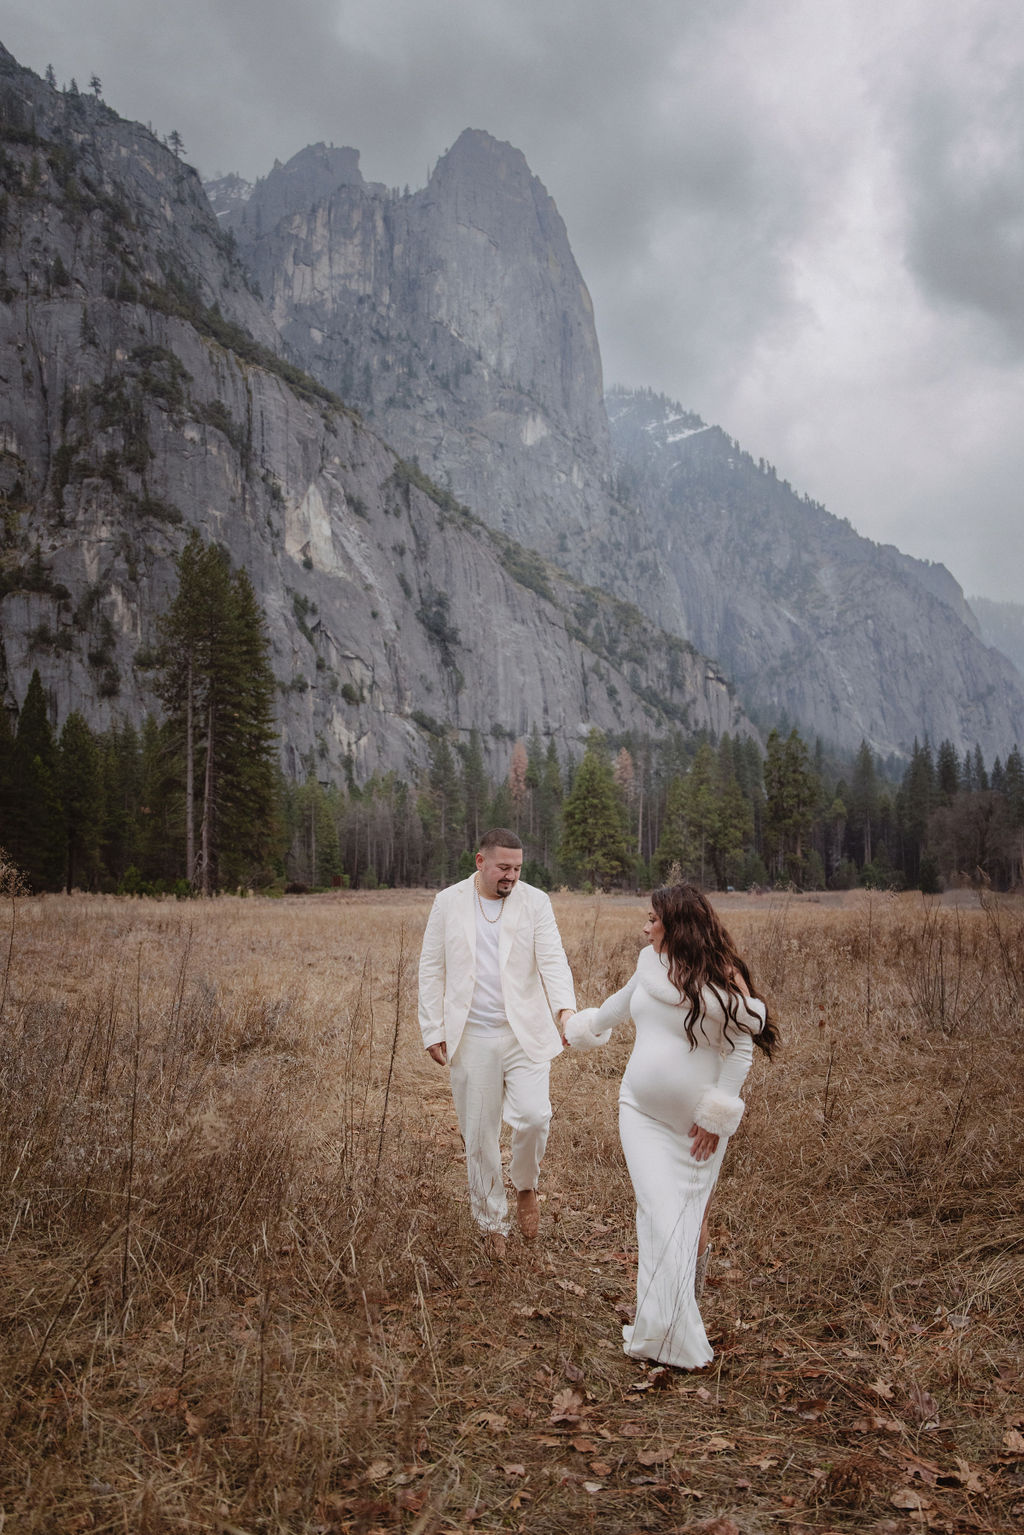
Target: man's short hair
column 499, row 836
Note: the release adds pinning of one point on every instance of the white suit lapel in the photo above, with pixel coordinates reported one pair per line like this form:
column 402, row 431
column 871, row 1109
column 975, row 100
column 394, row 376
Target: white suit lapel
column 467, row 912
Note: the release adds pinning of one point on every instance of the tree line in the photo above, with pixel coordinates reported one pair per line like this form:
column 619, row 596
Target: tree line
column 194, row 801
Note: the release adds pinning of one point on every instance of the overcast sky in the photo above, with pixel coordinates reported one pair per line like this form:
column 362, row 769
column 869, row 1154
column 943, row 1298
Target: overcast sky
column 803, row 219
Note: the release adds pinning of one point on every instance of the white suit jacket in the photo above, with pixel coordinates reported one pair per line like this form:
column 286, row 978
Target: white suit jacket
column 536, row 981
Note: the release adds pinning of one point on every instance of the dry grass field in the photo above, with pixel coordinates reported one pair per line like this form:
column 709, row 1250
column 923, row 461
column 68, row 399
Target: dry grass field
column 240, row 1291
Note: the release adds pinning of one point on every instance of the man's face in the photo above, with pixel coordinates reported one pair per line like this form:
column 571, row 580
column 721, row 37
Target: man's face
column 497, row 869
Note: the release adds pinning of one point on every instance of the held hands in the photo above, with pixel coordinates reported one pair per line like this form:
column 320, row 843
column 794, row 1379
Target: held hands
column 438, row 1053
column 563, row 1018
column 704, row 1143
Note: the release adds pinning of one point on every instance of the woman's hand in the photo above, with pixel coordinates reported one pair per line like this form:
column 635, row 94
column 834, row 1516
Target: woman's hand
column 704, row 1143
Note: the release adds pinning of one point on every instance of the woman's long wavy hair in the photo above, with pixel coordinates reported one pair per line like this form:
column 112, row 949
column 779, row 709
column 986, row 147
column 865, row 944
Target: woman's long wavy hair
column 701, row 953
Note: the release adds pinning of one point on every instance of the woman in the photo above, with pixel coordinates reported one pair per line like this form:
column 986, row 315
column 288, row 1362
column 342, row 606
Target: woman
column 697, row 1018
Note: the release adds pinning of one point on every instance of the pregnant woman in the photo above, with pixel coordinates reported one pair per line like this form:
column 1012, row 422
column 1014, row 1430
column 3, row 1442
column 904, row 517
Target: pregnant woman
column 697, row 1019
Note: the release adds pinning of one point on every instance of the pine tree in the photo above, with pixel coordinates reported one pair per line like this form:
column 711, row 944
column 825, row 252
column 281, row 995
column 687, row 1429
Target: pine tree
column 1013, row 781
column 475, row 788
column 792, row 793
column 121, row 776
column 35, row 837
column 735, row 820
column 534, row 774
column 863, row 799
column 246, row 758
column 594, row 829
column 217, row 687
column 673, row 848
column 443, row 811
column 947, row 773
column 81, row 794
column 550, row 795
column 6, row 778
column 915, row 803
column 159, row 829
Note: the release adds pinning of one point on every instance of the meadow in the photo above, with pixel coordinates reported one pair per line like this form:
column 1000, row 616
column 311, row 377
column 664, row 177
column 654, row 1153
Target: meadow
column 240, row 1291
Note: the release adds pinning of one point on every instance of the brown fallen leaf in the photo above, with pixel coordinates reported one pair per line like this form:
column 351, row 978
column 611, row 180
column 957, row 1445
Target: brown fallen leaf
column 654, row 1380
column 493, row 1422
column 653, row 1457
column 910, row 1499
column 600, row 1468
column 514, row 1470
column 584, row 1446
column 927, row 1470
column 717, row 1443
column 570, row 1286
column 566, row 1407
column 1013, row 1440
column 881, row 1388
column 969, row 1479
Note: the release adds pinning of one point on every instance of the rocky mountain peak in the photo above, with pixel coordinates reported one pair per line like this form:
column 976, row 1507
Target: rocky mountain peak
column 306, row 180
column 456, row 320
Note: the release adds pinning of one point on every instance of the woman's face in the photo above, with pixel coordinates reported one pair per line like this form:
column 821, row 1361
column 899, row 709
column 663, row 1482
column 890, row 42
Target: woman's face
column 654, row 931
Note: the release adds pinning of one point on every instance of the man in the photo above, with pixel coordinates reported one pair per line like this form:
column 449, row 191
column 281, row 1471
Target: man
column 492, row 974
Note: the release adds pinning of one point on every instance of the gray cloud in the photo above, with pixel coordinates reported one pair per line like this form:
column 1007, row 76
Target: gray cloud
column 803, row 218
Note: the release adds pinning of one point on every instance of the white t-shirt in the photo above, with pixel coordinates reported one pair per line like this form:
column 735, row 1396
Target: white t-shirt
column 488, row 1004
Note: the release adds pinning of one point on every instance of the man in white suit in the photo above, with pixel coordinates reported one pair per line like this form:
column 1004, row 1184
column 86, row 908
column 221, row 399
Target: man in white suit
column 493, row 978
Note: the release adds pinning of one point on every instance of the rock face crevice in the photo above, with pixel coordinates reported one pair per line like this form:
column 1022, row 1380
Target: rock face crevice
column 145, row 391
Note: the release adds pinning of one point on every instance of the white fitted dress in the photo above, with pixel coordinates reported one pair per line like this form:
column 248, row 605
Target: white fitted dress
column 669, row 1086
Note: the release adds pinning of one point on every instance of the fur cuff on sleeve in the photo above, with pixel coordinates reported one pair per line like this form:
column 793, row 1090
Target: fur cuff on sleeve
column 579, row 1031
column 718, row 1112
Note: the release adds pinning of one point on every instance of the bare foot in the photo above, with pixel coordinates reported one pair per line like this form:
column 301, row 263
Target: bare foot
column 495, row 1246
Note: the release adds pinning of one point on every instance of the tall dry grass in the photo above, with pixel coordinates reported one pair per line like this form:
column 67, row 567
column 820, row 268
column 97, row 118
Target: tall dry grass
column 240, row 1290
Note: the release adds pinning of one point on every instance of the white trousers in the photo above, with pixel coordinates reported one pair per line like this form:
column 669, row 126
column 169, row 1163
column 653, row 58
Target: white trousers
column 493, row 1079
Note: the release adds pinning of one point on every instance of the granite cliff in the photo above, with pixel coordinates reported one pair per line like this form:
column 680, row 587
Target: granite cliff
column 143, row 391
column 850, row 638
column 456, row 319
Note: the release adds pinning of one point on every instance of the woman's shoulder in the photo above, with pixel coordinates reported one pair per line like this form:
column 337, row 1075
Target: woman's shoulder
column 749, row 1011
column 652, row 975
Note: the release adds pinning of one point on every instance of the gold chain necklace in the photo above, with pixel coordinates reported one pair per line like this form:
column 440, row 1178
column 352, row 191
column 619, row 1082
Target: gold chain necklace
column 490, row 920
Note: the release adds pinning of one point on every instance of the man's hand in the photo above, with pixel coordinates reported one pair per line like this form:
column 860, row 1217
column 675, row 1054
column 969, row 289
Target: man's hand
column 563, row 1018
column 704, row 1143
column 438, row 1053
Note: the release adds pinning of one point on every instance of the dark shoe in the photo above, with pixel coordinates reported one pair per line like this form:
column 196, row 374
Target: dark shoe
column 528, row 1213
